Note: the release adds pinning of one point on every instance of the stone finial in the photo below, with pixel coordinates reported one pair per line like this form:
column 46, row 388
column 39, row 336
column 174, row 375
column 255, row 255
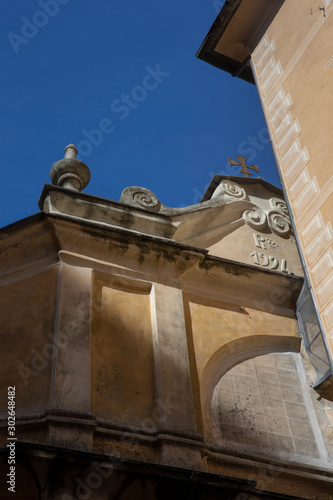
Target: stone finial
column 69, row 172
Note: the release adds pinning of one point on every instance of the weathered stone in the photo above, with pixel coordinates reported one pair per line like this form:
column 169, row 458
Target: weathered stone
column 152, row 337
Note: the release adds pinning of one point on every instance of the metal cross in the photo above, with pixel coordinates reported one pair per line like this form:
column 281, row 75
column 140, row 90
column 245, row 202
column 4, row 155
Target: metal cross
column 241, row 163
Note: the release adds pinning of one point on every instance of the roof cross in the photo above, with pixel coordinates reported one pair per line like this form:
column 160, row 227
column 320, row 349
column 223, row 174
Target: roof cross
column 241, row 163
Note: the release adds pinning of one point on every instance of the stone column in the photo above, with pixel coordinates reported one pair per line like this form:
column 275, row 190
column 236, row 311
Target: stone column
column 70, row 392
column 173, row 380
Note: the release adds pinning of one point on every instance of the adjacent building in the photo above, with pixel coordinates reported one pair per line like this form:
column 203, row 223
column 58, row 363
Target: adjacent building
column 285, row 48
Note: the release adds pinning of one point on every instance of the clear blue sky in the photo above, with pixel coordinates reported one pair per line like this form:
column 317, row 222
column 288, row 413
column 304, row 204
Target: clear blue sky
column 169, row 121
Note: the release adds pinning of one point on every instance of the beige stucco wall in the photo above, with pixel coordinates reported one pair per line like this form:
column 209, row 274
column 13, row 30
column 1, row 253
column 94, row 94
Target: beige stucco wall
column 266, row 250
column 294, row 67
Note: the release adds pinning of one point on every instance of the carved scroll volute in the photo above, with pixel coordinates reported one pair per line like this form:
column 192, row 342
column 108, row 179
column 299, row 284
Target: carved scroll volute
column 279, row 224
column 256, row 218
column 140, row 197
column 278, row 219
column 279, row 205
column 230, row 188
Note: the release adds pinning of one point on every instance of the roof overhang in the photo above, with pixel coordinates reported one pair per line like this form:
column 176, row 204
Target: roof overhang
column 235, row 34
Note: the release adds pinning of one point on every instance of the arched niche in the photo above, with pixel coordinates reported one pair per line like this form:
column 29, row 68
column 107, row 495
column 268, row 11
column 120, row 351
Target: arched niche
column 230, row 355
column 264, row 407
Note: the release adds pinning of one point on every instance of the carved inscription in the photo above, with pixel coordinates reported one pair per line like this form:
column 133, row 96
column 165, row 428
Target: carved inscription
column 264, row 243
column 262, row 259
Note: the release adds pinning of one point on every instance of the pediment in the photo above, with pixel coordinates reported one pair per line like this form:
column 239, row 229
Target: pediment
column 251, row 225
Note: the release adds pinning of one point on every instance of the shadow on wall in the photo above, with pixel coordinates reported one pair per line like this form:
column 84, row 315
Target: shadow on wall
column 265, row 407
column 223, row 335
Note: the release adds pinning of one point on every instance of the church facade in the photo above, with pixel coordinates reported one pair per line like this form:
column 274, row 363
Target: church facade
column 155, row 351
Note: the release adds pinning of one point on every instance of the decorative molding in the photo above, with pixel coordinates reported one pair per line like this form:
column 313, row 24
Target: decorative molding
column 306, row 195
column 304, row 200
column 29, row 270
column 279, row 223
column 261, row 49
column 282, row 126
column 292, row 153
column 329, row 64
column 325, row 290
column 316, row 202
column 283, row 107
column 147, row 199
column 230, row 188
column 268, row 68
column 319, row 270
column 140, row 197
column 289, row 137
column 276, row 102
column 277, row 220
column 255, row 218
column 273, row 76
column 321, row 243
column 283, row 75
column 266, row 54
column 304, row 192
column 280, row 205
column 299, row 184
column 312, row 230
column 326, row 3
column 296, row 166
column 327, row 315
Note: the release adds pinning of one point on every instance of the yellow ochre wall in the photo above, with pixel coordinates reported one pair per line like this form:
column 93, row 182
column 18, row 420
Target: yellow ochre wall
column 122, row 377
column 28, row 309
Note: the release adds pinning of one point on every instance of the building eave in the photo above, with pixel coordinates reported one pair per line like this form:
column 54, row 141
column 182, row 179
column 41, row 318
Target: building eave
column 235, row 34
column 207, row 51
